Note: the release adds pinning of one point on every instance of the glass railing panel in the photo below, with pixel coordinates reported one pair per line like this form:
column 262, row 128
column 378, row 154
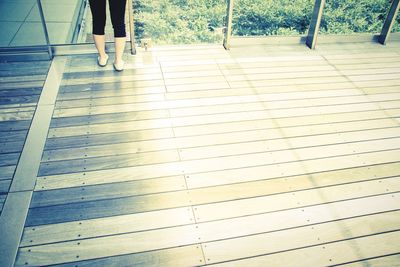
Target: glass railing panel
column 63, row 19
column 20, row 24
column 354, row 16
column 271, row 17
column 179, row 21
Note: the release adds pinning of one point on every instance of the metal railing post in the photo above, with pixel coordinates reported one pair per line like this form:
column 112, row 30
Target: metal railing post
column 315, row 23
column 131, row 28
column 389, row 22
column 228, row 29
column 46, row 33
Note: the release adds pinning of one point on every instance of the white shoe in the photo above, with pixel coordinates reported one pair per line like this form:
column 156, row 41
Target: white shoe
column 102, row 62
column 120, row 66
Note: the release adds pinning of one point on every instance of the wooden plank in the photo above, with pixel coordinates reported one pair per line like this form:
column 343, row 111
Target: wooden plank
column 300, row 237
column 137, row 125
column 179, row 257
column 186, row 235
column 113, row 175
column 224, row 192
column 2, row 200
column 219, row 150
column 381, row 260
column 21, row 85
column 190, row 103
column 136, row 204
column 109, row 89
column 107, row 191
column 109, row 118
column 277, row 82
column 290, row 200
column 7, row 172
column 300, row 217
column 215, row 118
column 13, row 100
column 131, row 223
column 272, row 91
column 110, row 138
column 9, row 159
column 23, row 78
column 76, row 74
column 338, row 252
column 11, row 147
column 113, row 83
column 109, row 150
column 363, row 55
column 17, row 116
column 73, row 103
column 6, row 126
column 141, row 79
column 4, row 186
column 251, row 173
column 277, row 157
column 261, row 105
column 107, row 246
column 127, row 92
column 107, row 162
column 346, row 118
column 218, row 177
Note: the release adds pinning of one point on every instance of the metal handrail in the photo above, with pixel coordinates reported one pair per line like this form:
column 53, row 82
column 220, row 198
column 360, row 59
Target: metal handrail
column 46, row 33
column 228, row 28
column 131, row 27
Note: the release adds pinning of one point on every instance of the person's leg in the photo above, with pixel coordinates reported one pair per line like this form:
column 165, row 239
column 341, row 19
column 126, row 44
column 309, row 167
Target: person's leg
column 117, row 10
column 98, row 8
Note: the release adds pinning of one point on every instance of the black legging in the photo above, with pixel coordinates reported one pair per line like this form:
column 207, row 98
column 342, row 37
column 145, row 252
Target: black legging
column 117, row 11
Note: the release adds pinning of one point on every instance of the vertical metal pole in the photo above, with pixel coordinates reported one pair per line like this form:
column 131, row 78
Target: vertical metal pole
column 131, row 27
column 46, row 33
column 228, row 29
column 315, row 23
column 389, row 22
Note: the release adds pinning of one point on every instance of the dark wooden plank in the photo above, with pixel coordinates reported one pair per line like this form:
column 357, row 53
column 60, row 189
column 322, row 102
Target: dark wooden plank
column 6, row 126
column 109, row 73
column 106, row 208
column 34, row 91
column 24, row 78
column 12, row 136
column 111, row 138
column 112, row 100
column 178, row 257
column 21, row 85
column 9, row 159
column 24, row 67
column 4, row 186
column 9, row 99
column 11, row 147
column 108, row 118
column 7, row 172
column 143, row 87
column 126, row 92
column 111, row 162
column 107, row 191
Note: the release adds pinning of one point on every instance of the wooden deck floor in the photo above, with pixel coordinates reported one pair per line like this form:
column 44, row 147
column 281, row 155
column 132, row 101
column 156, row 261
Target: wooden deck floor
column 260, row 156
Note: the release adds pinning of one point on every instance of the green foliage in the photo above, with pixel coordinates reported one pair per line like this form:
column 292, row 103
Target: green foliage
column 180, row 21
column 201, row 21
